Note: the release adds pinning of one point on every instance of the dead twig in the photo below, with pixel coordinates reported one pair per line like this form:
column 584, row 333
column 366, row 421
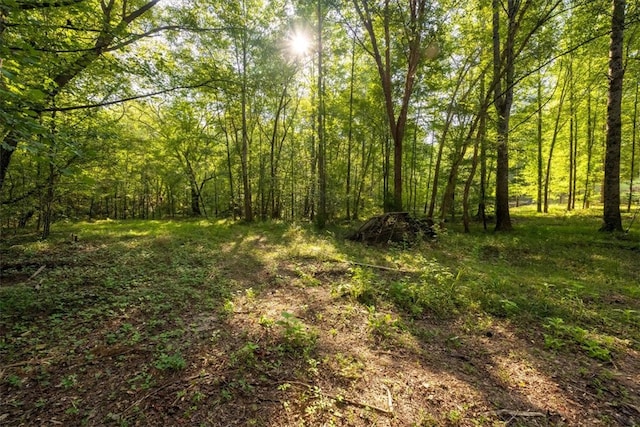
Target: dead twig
column 515, row 414
column 38, row 271
column 381, row 267
column 342, row 399
column 28, row 362
column 389, row 398
column 159, row 389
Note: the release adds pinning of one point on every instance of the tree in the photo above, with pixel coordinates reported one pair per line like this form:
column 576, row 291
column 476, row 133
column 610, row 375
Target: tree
column 503, row 81
column 414, row 27
column 64, row 51
column 612, row 220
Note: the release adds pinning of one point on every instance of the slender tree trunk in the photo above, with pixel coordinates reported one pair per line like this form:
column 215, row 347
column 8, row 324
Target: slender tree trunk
column 472, row 173
column 575, row 161
column 365, row 162
column 571, row 132
column 539, row 141
column 443, row 138
column 633, row 148
column 482, row 203
column 591, row 139
column 612, row 220
column 47, row 208
column 244, row 153
column 556, row 130
column 570, row 189
column 386, row 167
column 322, row 174
column 458, row 157
column 479, row 143
column 350, row 132
column 427, row 190
column 311, row 202
column 412, row 176
column 503, row 101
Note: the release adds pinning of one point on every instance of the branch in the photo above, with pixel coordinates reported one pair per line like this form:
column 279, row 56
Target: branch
column 29, row 5
column 131, row 98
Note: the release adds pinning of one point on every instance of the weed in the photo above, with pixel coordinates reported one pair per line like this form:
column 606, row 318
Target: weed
column 361, row 286
column 296, row 335
column 173, row 362
column 142, row 381
column 14, row 380
column 266, row 321
column 226, row 394
column 245, row 356
column 69, row 381
column 346, row 366
column 561, row 334
column 73, row 409
column 383, row 325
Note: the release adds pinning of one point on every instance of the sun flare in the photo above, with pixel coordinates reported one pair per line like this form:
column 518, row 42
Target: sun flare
column 299, row 43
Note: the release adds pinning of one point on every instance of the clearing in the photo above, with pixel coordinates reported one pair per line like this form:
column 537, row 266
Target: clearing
column 220, row 324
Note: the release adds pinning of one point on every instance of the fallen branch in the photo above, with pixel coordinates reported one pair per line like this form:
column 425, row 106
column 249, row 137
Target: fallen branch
column 381, row 267
column 389, row 399
column 28, row 362
column 38, row 271
column 345, row 400
column 159, row 389
column 515, row 414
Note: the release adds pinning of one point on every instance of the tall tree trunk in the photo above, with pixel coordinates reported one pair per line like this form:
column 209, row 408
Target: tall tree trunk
column 350, row 132
column 414, row 32
column 575, row 161
column 479, row 143
column 572, row 102
column 503, row 101
column 554, row 138
column 412, row 176
column 539, row 143
column 591, row 139
column 633, row 148
column 458, row 157
column 244, row 144
column 445, row 131
column 474, row 164
column 482, row 203
column 244, row 153
column 322, row 174
column 612, row 220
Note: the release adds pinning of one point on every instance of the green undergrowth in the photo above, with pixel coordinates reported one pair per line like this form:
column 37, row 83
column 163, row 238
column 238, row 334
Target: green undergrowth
column 155, row 286
column 551, row 270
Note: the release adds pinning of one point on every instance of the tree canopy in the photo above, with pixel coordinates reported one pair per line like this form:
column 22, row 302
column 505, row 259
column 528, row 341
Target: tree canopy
column 337, row 109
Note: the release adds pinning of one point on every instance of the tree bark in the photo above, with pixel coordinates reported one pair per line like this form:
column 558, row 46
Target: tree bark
column 503, row 101
column 539, row 143
column 321, row 218
column 633, row 148
column 612, row 220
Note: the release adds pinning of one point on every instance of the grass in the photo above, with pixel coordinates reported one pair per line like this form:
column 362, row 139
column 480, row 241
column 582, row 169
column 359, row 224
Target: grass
column 160, row 322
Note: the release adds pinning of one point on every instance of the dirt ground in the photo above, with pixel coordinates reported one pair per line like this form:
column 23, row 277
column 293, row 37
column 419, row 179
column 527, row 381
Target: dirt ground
column 292, row 349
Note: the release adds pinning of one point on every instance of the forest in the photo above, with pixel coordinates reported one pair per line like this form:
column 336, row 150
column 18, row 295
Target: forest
column 179, row 179
column 322, row 111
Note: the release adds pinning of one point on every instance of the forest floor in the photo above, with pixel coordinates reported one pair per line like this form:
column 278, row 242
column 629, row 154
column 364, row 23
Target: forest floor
column 169, row 323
